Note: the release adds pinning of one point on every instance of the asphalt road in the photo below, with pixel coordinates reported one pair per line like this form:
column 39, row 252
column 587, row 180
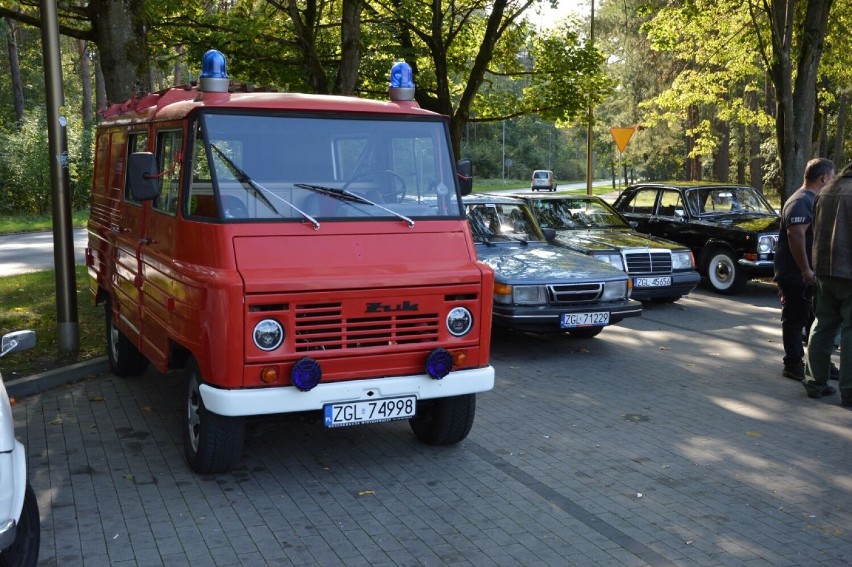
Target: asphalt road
column 670, row 439
column 33, row 251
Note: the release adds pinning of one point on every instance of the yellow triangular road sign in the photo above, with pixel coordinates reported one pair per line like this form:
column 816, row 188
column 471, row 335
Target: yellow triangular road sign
column 622, row 136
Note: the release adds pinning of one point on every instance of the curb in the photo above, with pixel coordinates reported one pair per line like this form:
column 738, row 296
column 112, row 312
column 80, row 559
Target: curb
column 38, row 383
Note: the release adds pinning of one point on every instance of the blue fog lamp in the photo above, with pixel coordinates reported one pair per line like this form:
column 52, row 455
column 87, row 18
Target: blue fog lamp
column 401, row 85
column 306, row 374
column 439, row 363
column 214, row 75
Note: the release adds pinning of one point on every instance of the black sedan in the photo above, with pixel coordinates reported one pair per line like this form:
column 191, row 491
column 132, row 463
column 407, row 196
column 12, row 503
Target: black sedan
column 661, row 270
column 731, row 229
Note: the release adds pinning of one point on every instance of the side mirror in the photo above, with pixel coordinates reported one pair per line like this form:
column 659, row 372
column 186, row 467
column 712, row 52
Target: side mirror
column 18, row 340
column 464, row 171
column 549, row 234
column 142, row 176
column 633, row 224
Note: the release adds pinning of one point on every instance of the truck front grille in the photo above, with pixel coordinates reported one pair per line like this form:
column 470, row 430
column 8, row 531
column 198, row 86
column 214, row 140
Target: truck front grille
column 322, row 326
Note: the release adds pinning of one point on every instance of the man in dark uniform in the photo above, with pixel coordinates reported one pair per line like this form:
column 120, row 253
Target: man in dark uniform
column 833, row 264
column 793, row 266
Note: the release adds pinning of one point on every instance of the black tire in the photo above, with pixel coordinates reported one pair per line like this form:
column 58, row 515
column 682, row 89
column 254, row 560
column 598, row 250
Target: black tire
column 212, row 443
column 724, row 273
column 124, row 358
column 585, row 332
column 444, row 421
column 24, row 551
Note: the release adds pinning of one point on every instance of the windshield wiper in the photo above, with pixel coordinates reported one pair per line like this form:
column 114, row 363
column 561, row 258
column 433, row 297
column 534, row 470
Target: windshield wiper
column 350, row 197
column 260, row 191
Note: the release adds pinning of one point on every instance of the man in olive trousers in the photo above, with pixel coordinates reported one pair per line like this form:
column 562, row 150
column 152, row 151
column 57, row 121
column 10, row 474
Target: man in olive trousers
column 832, row 260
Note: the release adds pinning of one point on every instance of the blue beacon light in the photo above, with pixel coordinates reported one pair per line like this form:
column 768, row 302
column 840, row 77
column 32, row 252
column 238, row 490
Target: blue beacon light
column 401, row 84
column 214, row 74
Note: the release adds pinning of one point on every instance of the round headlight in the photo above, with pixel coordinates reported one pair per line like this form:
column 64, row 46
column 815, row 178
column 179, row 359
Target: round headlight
column 268, row 334
column 459, row 321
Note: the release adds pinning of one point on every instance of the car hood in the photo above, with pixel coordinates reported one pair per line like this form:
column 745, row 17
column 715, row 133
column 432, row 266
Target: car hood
column 745, row 222
column 539, row 263
column 606, row 239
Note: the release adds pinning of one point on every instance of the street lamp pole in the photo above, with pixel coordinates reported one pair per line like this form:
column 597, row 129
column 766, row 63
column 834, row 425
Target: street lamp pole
column 589, row 160
column 503, row 161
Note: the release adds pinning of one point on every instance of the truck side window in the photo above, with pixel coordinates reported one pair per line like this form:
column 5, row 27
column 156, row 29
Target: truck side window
column 169, row 146
column 136, row 142
column 202, row 201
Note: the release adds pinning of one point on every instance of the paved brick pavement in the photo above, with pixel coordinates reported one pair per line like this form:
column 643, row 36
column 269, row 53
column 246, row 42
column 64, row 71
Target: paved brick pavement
column 669, row 440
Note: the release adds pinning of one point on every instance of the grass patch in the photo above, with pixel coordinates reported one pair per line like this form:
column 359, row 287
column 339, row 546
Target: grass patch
column 21, row 223
column 487, row 185
column 28, row 301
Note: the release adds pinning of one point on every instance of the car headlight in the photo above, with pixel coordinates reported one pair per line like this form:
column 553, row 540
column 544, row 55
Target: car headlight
column 611, row 259
column 529, row 294
column 268, row 334
column 459, row 321
column 614, row 290
column 682, row 260
column 766, row 243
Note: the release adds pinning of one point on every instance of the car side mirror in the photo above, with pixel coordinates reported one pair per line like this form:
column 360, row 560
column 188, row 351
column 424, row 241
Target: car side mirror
column 142, row 176
column 633, row 224
column 549, row 234
column 464, row 171
column 679, row 214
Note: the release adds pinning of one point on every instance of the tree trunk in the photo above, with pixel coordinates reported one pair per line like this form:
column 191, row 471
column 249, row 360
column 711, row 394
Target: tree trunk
column 795, row 102
column 85, row 80
column 122, row 47
column 350, row 47
column 15, row 71
column 304, row 24
column 100, row 86
column 842, row 103
column 722, row 156
column 755, row 161
column 693, row 164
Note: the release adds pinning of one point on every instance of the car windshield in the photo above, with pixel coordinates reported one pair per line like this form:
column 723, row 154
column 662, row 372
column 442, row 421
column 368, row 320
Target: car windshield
column 708, row 201
column 495, row 221
column 576, row 214
column 305, row 168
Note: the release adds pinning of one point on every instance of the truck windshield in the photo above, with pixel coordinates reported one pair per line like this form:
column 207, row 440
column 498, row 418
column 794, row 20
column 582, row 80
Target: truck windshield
column 309, row 168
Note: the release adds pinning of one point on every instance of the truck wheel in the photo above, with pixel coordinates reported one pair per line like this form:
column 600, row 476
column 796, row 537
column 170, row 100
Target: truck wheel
column 124, row 358
column 212, row 443
column 725, row 275
column 444, row 421
column 585, row 332
column 24, row 551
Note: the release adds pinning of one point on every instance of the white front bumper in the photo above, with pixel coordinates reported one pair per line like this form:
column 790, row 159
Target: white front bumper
column 261, row 401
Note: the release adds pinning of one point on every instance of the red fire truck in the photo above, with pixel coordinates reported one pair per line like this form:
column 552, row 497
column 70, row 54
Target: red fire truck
column 291, row 253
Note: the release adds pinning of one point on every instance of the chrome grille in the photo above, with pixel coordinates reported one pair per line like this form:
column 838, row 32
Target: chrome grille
column 575, row 293
column 649, row 262
column 322, row 326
